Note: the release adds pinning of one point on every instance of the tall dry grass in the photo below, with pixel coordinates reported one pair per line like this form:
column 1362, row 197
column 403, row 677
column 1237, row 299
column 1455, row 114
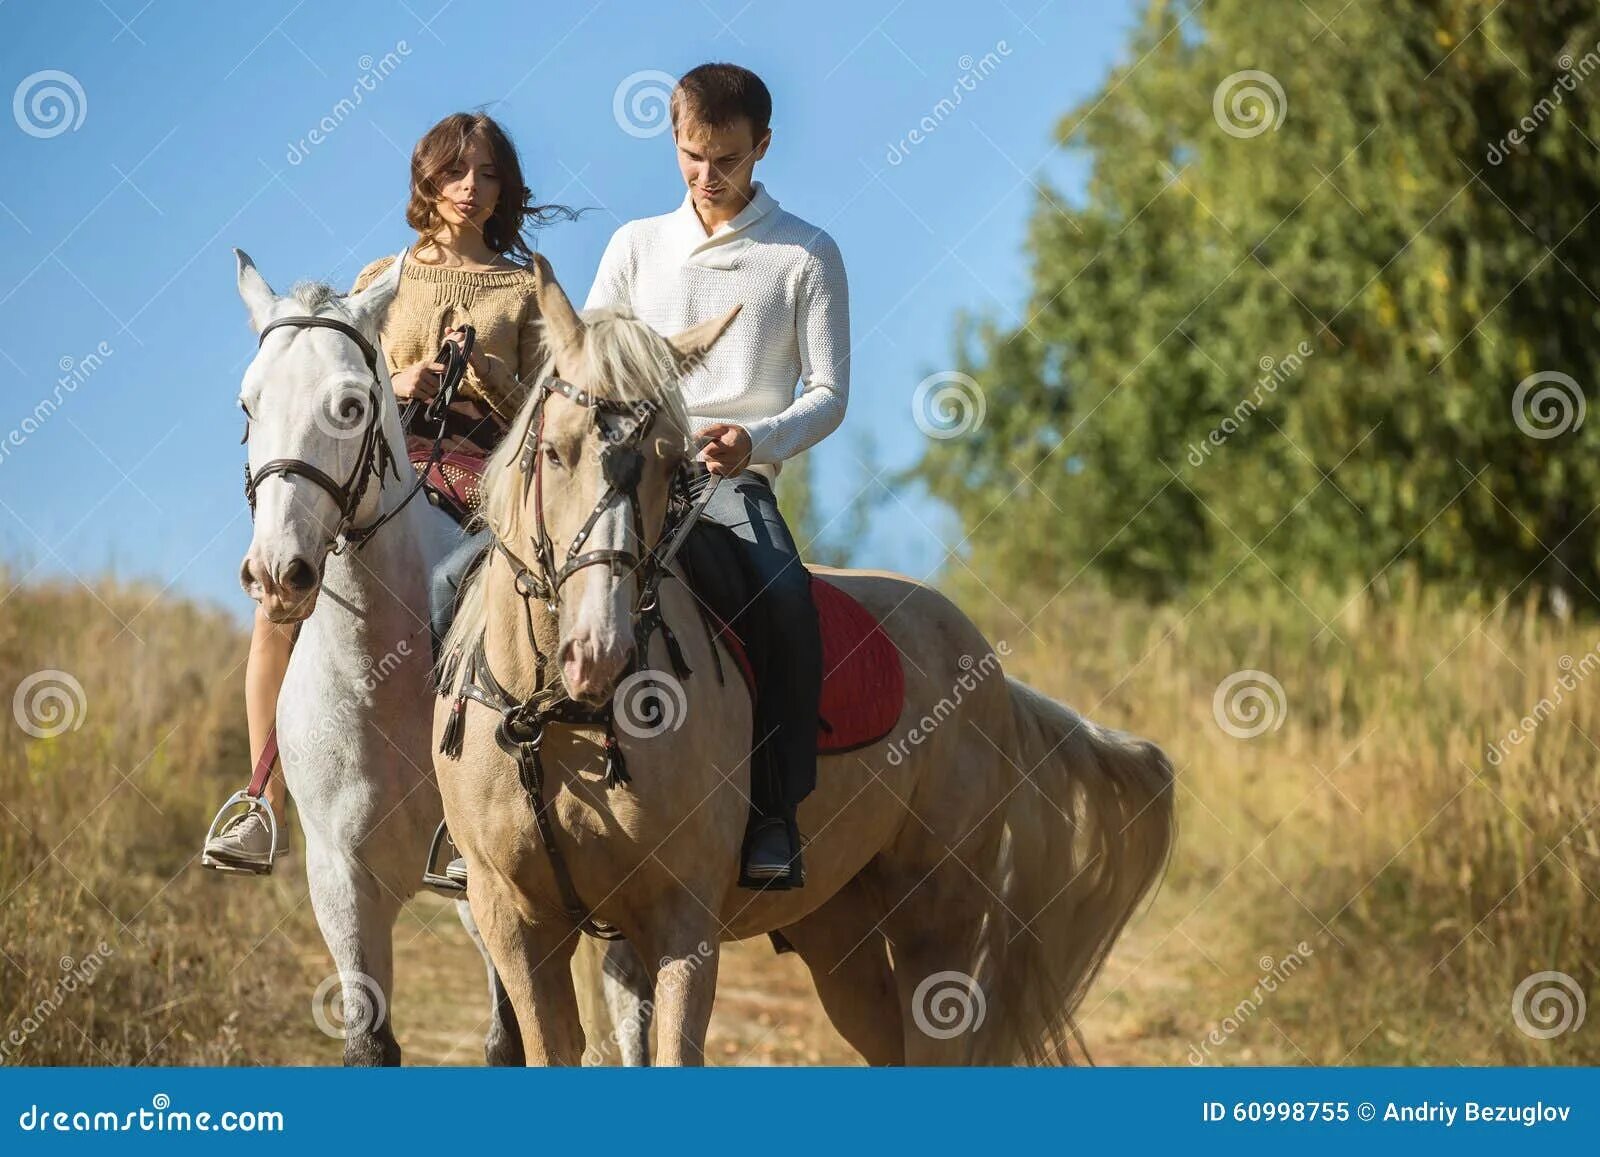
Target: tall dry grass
column 115, row 946
column 1426, row 879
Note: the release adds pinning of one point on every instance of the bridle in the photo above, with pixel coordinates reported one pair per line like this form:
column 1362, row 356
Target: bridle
column 376, row 456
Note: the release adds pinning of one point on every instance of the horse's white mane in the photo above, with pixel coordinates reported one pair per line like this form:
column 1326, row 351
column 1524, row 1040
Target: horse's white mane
column 628, row 362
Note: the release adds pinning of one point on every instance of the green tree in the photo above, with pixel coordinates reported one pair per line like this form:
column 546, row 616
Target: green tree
column 1283, row 334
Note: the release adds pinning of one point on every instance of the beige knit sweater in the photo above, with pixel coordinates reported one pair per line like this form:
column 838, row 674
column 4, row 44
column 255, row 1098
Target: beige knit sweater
column 499, row 304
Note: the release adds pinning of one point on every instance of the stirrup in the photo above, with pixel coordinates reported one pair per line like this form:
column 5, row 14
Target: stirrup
column 433, row 870
column 242, row 803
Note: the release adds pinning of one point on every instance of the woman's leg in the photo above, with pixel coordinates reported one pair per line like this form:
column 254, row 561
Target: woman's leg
column 264, row 669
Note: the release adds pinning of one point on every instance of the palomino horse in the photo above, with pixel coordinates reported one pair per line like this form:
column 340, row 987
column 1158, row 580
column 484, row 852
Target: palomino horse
column 335, row 534
column 966, row 875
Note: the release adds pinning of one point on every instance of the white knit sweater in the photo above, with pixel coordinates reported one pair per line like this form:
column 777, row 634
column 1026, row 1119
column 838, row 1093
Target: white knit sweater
column 794, row 326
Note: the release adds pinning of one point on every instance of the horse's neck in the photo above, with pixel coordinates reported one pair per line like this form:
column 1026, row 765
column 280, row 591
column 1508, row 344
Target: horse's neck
column 506, row 646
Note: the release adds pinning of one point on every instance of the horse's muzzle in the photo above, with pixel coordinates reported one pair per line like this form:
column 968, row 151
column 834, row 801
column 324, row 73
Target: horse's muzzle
column 287, row 592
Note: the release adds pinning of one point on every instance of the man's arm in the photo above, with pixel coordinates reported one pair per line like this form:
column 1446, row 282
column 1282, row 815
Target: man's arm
column 822, row 327
column 611, row 280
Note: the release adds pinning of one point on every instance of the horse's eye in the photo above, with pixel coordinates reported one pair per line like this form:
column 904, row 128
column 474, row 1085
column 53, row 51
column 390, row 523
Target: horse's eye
column 350, row 410
column 550, row 455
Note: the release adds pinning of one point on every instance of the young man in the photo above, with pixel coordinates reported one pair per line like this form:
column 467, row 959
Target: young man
column 730, row 244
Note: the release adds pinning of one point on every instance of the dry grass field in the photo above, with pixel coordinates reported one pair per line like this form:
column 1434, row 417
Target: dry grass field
column 1358, row 883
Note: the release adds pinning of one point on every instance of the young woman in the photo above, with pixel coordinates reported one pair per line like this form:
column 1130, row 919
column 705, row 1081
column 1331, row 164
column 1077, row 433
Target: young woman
column 470, row 207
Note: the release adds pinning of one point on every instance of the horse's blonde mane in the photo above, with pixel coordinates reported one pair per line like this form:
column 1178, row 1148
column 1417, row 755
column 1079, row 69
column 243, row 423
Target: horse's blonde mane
column 628, row 362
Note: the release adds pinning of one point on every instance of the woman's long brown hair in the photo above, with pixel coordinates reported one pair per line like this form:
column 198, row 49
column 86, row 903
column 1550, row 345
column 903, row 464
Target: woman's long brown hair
column 514, row 212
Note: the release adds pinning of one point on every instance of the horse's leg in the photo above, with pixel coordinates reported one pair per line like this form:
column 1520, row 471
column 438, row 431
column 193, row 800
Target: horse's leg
column 532, row 956
column 356, row 915
column 943, row 973
column 684, row 953
column 625, row 981
column 845, row 950
column 503, row 1044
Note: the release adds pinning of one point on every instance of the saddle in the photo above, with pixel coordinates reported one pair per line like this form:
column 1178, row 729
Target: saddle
column 452, row 481
column 863, row 683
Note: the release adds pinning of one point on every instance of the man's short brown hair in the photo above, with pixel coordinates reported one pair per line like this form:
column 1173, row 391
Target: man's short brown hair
column 716, row 95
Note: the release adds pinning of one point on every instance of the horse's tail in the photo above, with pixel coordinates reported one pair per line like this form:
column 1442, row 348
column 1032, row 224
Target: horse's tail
column 1080, row 853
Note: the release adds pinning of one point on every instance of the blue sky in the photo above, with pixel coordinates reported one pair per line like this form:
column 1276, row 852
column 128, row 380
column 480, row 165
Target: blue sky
column 189, row 132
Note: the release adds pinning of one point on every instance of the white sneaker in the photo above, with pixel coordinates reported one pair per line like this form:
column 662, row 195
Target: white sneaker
column 244, row 842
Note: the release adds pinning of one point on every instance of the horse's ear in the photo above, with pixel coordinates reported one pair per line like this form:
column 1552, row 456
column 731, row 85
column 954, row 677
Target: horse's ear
column 258, row 296
column 370, row 305
column 692, row 345
column 561, row 321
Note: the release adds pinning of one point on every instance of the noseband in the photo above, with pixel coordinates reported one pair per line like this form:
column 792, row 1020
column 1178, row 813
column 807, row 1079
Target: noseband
column 375, row 458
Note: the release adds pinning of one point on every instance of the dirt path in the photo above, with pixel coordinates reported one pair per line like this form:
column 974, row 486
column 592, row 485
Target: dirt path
column 767, row 1012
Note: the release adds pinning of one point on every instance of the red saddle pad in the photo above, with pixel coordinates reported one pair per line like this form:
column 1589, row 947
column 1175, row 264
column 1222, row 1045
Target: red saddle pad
column 863, row 683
